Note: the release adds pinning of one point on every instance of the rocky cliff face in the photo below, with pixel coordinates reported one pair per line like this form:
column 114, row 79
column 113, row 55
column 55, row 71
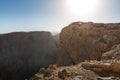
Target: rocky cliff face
column 81, row 41
column 22, row 54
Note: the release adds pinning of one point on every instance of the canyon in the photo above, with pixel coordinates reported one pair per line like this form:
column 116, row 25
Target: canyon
column 86, row 51
column 81, row 51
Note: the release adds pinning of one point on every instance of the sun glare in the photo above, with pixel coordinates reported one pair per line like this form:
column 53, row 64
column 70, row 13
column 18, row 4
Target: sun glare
column 82, row 7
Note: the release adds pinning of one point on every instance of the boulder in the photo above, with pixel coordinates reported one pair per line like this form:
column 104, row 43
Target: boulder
column 82, row 41
column 23, row 53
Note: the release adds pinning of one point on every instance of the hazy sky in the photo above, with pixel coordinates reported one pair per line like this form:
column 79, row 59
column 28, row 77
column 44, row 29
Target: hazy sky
column 52, row 15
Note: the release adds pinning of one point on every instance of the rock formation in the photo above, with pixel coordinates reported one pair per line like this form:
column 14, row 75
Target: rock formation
column 65, row 73
column 93, row 70
column 23, row 53
column 113, row 54
column 104, row 68
column 82, row 41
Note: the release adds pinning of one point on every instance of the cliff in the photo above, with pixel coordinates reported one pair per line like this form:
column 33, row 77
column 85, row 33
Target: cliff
column 82, row 41
column 23, row 53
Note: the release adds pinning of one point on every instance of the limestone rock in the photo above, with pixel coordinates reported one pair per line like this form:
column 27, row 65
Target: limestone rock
column 104, row 68
column 67, row 73
column 88, row 70
column 82, row 41
column 114, row 53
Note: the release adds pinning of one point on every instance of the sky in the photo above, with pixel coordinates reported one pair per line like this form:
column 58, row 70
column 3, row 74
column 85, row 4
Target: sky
column 53, row 15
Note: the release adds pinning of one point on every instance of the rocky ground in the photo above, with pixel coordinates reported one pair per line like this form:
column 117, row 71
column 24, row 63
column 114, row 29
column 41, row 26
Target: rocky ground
column 88, row 70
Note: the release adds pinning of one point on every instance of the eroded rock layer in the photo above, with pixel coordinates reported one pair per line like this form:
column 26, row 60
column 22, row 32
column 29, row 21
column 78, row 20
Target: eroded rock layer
column 113, row 54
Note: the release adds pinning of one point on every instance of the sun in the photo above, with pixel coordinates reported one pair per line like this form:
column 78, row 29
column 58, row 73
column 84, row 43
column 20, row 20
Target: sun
column 82, row 7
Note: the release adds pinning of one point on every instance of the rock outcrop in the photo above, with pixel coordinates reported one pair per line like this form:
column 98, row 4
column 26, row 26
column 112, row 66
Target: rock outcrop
column 113, row 54
column 23, row 53
column 82, row 41
column 93, row 70
column 65, row 73
column 104, row 68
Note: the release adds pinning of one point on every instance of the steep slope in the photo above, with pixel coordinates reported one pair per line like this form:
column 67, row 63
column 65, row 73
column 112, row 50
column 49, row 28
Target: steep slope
column 22, row 54
column 82, row 41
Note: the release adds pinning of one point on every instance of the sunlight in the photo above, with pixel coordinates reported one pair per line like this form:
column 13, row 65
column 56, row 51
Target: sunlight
column 82, row 7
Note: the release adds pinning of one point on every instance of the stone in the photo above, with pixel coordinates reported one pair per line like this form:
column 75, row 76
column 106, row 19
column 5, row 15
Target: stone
column 114, row 53
column 103, row 67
